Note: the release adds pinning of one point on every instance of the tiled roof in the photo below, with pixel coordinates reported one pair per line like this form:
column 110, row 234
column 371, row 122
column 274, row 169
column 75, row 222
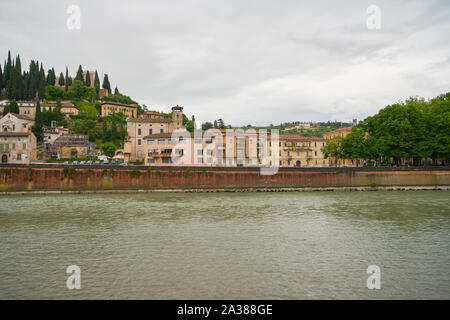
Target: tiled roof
column 297, row 137
column 119, row 104
column 14, row 134
column 21, row 116
column 144, row 120
column 166, row 135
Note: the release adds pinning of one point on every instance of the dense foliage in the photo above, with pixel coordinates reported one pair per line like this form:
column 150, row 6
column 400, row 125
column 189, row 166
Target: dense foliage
column 415, row 130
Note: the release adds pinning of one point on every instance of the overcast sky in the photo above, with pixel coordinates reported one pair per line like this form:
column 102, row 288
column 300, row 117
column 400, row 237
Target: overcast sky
column 247, row 62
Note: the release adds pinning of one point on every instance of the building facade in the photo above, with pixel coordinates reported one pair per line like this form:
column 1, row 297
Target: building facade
column 26, row 108
column 17, row 141
column 110, row 108
column 299, row 151
column 138, row 128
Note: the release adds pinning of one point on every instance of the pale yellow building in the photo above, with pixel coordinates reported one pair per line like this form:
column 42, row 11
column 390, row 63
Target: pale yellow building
column 110, row 108
column 299, row 151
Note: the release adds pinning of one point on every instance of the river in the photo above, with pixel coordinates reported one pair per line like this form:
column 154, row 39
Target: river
column 293, row 245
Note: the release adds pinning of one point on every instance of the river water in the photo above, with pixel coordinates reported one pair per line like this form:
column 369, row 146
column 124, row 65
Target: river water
column 305, row 245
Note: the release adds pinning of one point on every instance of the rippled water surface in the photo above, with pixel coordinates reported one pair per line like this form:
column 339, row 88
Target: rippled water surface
column 226, row 245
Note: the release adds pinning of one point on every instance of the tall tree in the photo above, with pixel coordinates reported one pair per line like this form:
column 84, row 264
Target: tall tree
column 88, row 79
column 14, row 107
column 61, row 81
column 116, row 91
column 41, row 88
column 67, row 80
column 38, row 122
column 51, row 77
column 79, row 75
column 96, row 82
column 106, row 84
column 1, row 78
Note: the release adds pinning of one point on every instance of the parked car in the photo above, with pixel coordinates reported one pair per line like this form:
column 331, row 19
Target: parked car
column 89, row 162
column 75, row 162
column 124, row 164
column 66, row 162
column 83, row 162
column 113, row 161
column 105, row 161
column 97, row 162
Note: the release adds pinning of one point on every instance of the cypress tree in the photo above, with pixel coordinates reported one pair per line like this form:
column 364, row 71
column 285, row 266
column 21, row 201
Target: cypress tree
column 51, row 77
column 96, row 82
column 6, row 110
column 88, row 79
column 14, row 107
column 38, row 122
column 79, row 75
column 18, row 80
column 61, row 80
column 67, row 80
column 116, row 91
column 106, row 84
column 8, row 67
column 1, row 78
column 41, row 89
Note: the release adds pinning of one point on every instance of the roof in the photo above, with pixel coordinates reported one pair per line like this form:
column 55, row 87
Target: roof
column 145, row 120
column 297, row 137
column 340, row 130
column 120, row 104
column 167, row 135
column 21, row 116
column 14, row 134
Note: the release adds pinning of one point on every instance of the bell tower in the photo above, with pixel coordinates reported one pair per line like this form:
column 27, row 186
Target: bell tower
column 177, row 117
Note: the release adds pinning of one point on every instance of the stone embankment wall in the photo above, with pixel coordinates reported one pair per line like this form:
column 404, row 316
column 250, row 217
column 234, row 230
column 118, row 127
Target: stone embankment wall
column 21, row 178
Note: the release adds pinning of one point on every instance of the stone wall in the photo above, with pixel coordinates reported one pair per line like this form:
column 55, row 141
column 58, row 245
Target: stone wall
column 27, row 178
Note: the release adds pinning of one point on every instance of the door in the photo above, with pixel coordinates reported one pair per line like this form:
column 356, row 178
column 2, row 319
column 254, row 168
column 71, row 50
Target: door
column 4, row 158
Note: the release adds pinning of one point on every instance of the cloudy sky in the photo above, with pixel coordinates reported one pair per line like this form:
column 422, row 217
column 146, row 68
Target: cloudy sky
column 257, row 62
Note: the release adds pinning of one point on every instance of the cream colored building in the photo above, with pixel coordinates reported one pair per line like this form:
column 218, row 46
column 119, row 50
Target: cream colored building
column 16, row 123
column 17, row 141
column 26, row 108
column 299, row 151
column 138, row 128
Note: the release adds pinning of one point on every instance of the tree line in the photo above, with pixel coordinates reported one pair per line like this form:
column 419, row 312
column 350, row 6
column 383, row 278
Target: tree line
column 415, row 132
column 35, row 83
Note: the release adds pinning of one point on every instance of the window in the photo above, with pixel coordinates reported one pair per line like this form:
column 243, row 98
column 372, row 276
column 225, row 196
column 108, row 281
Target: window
column 166, row 160
column 19, row 156
column 151, row 160
column 209, row 160
column 150, row 131
column 199, row 160
column 139, row 132
column 139, row 142
column 162, row 141
column 209, row 152
column 199, row 152
column 172, row 141
column 151, row 142
column 162, row 130
column 139, row 154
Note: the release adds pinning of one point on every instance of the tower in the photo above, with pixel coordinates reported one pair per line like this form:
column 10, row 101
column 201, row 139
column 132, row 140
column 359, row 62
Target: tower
column 177, row 117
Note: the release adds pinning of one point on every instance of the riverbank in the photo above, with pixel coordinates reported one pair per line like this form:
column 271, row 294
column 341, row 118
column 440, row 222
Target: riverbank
column 87, row 179
column 215, row 190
